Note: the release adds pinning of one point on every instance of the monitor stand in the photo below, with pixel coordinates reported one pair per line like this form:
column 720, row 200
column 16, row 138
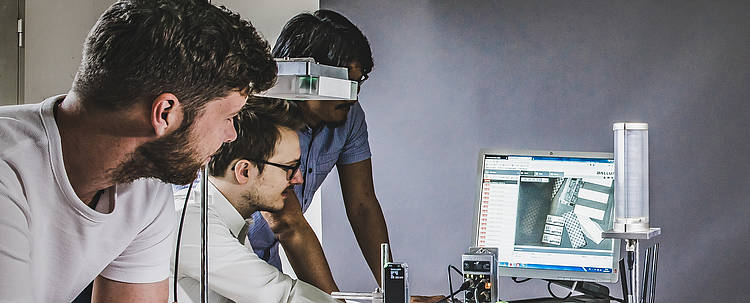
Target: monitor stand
column 593, row 292
column 576, row 299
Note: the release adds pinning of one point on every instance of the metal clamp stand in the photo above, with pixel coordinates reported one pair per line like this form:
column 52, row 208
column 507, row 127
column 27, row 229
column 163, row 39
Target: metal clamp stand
column 632, row 247
column 204, row 232
column 204, row 235
column 377, row 295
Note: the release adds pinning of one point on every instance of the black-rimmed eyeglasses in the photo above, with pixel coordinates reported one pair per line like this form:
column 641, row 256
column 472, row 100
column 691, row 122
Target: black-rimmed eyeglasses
column 291, row 170
column 360, row 81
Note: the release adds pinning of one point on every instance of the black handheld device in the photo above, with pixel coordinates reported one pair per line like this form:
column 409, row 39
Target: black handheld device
column 396, row 283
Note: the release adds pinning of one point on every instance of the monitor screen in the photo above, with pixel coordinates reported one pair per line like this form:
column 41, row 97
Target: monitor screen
column 545, row 212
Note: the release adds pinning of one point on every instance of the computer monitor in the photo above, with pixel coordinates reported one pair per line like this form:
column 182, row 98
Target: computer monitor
column 545, row 211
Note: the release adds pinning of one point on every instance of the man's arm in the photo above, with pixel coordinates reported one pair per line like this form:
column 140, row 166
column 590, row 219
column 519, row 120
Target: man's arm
column 363, row 211
column 366, row 217
column 301, row 244
column 106, row 290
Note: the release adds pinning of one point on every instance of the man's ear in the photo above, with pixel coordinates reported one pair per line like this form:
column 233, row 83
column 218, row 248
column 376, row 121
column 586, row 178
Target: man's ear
column 166, row 114
column 243, row 171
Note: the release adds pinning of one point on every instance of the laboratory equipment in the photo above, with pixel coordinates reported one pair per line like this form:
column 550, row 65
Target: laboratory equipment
column 632, row 191
column 631, row 176
column 480, row 269
column 304, row 79
column 649, row 274
column 545, row 212
column 396, row 282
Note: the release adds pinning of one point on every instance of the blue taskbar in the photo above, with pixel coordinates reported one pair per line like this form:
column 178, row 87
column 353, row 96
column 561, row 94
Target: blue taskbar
column 538, row 158
column 556, row 267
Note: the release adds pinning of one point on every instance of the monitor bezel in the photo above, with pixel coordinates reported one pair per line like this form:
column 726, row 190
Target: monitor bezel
column 550, row 274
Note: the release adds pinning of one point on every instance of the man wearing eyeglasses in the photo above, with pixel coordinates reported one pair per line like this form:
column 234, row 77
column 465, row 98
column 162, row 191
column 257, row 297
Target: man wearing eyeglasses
column 335, row 134
column 255, row 172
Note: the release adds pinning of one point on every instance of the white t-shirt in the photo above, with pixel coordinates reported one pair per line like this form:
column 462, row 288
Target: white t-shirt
column 52, row 245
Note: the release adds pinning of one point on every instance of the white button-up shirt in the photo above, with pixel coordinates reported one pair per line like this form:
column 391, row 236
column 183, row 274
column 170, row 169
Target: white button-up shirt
column 236, row 274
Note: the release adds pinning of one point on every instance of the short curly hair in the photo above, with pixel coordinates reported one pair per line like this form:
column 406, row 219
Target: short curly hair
column 328, row 37
column 139, row 49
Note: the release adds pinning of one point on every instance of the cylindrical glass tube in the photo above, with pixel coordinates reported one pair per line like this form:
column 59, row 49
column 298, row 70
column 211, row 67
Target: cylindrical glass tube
column 631, row 177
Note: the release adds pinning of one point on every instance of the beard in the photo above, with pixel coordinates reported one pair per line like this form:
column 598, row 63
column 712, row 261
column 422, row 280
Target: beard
column 335, row 124
column 171, row 159
column 342, row 121
column 256, row 202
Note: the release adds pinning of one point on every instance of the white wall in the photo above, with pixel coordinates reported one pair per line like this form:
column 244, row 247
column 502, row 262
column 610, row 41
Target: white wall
column 269, row 16
column 55, row 31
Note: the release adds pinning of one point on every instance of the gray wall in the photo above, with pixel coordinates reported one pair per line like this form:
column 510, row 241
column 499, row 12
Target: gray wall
column 454, row 76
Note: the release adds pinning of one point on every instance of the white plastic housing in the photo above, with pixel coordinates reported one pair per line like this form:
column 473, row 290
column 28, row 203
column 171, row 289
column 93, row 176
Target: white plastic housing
column 292, row 87
column 631, row 177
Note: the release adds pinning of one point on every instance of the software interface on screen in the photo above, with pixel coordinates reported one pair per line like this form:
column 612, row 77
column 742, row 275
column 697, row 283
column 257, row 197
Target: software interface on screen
column 547, row 212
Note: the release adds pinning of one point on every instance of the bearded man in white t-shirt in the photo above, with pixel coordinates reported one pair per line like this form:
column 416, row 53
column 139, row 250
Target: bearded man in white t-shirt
column 83, row 176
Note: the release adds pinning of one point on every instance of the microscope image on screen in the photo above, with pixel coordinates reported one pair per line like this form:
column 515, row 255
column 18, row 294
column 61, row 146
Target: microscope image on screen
column 564, row 212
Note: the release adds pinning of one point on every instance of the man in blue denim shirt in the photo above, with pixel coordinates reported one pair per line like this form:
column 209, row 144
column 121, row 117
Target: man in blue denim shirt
column 336, row 134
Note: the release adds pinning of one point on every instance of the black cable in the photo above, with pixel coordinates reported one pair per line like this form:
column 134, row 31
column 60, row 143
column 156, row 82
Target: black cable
column 631, row 259
column 611, row 298
column 515, row 279
column 450, row 282
column 623, row 281
column 456, row 270
column 631, row 262
column 464, row 286
column 549, row 288
column 179, row 236
column 482, row 283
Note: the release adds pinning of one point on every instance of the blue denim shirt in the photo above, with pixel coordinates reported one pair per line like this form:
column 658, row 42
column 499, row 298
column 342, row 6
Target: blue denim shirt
column 321, row 148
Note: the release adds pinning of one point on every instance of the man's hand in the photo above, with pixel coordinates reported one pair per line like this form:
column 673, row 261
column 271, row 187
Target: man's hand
column 301, row 245
column 426, row 299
